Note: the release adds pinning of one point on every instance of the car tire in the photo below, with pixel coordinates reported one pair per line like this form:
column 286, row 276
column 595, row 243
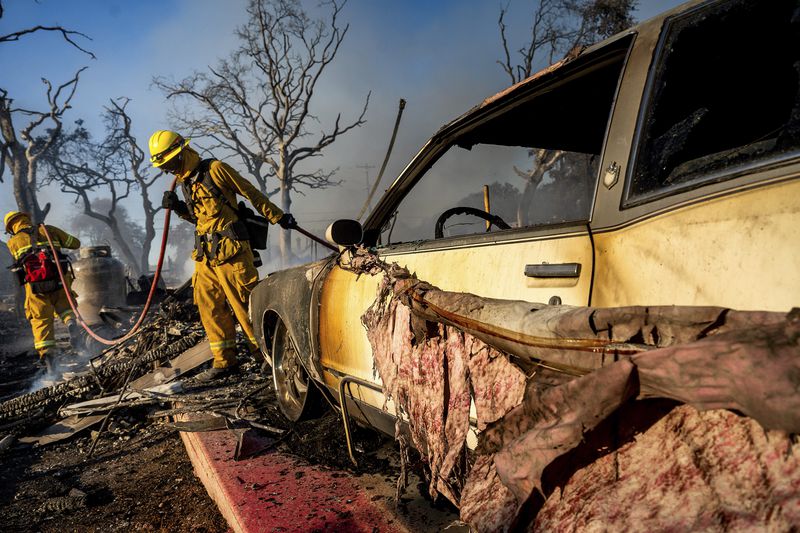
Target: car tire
column 297, row 396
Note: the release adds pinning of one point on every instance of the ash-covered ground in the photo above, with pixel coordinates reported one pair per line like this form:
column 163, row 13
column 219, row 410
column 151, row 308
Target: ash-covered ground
column 139, row 477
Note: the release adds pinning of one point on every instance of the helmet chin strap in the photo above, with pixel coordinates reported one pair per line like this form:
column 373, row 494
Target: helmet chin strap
column 175, row 165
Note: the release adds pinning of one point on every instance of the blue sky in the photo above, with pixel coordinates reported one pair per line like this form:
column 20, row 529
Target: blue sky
column 438, row 55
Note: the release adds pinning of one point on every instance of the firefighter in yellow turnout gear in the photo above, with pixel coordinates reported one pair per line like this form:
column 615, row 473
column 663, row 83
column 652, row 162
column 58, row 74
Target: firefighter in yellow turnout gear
column 43, row 299
column 224, row 272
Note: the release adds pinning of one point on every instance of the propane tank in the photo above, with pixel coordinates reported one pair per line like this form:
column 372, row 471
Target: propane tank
column 99, row 282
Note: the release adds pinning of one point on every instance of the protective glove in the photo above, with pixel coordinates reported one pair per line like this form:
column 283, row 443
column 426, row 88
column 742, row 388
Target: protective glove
column 287, row 221
column 171, row 201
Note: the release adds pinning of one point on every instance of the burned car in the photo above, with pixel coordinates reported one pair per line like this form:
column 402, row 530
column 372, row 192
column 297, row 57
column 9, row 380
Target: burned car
column 659, row 167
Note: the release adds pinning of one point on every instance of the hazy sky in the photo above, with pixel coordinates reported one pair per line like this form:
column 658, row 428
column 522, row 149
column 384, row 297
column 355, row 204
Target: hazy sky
column 438, row 55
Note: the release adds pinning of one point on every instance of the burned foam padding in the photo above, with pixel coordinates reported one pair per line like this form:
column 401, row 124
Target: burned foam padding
column 755, row 371
column 690, row 471
column 708, row 357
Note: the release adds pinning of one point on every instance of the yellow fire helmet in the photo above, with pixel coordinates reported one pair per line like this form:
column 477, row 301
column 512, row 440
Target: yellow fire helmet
column 164, row 145
column 11, row 216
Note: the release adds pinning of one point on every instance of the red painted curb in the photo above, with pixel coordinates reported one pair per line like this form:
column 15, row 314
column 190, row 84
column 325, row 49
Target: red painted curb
column 277, row 492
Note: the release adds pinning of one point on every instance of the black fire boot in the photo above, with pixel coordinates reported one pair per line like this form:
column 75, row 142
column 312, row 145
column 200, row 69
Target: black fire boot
column 51, row 365
column 215, row 374
column 76, row 339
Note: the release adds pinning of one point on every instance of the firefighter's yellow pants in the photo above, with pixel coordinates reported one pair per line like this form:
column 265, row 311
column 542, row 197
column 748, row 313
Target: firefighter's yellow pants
column 215, row 289
column 40, row 309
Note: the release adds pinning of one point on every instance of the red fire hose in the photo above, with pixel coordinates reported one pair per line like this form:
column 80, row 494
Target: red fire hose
column 147, row 304
column 132, row 332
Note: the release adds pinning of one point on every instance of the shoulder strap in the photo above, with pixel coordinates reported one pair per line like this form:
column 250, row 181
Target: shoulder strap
column 204, row 177
column 33, row 242
column 34, row 246
column 201, row 171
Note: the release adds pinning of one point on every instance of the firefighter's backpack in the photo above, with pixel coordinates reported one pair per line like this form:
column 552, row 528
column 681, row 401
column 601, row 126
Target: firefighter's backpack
column 39, row 270
column 249, row 226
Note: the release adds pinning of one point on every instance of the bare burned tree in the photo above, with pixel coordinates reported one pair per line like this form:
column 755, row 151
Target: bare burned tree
column 256, row 104
column 559, row 28
column 96, row 232
column 113, row 169
column 68, row 35
column 21, row 149
column 121, row 141
column 82, row 168
column 543, row 161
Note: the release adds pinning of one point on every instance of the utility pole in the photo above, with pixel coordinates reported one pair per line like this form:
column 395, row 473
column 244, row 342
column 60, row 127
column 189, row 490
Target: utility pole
column 366, row 177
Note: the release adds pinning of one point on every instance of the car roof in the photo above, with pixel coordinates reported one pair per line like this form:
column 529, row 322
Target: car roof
column 498, row 100
column 523, row 86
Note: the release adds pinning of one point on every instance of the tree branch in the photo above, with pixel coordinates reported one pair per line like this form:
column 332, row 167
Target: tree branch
column 66, row 34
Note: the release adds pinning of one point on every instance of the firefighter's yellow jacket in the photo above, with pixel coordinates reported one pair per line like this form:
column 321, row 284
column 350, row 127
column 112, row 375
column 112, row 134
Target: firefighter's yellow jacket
column 222, row 280
column 20, row 242
column 213, row 214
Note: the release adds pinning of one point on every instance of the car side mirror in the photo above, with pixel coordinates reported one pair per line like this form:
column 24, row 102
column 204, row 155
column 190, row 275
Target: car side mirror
column 344, row 232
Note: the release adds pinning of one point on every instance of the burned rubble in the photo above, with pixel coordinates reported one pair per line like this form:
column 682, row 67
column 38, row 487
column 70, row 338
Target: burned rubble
column 72, row 448
column 143, row 372
column 109, row 371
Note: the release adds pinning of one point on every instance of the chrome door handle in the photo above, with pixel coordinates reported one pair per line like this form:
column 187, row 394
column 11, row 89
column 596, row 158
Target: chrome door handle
column 553, row 270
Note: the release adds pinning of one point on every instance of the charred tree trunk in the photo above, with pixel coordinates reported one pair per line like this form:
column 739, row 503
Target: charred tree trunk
column 23, row 173
column 543, row 161
column 130, row 257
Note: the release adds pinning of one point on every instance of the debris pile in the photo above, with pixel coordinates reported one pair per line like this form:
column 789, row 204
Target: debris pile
column 562, row 395
column 148, row 382
column 140, row 372
column 108, row 373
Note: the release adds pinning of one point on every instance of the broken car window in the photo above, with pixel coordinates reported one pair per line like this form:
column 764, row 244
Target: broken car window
column 525, row 189
column 538, row 154
column 724, row 96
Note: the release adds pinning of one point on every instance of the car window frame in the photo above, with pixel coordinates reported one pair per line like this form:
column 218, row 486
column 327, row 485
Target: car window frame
column 447, row 138
column 627, row 201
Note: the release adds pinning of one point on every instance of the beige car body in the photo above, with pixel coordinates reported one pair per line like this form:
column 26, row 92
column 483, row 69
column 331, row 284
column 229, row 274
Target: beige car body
column 733, row 242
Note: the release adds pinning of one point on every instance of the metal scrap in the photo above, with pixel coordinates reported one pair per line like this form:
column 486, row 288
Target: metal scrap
column 63, row 429
column 129, row 398
column 202, row 424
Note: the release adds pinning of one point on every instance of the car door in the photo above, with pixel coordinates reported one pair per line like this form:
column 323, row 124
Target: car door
column 529, row 156
column 707, row 207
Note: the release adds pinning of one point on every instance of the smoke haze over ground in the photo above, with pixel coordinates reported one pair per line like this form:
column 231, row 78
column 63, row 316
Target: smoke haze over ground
column 440, row 56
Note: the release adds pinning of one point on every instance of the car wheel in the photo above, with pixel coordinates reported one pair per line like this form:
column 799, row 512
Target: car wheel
column 298, row 397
